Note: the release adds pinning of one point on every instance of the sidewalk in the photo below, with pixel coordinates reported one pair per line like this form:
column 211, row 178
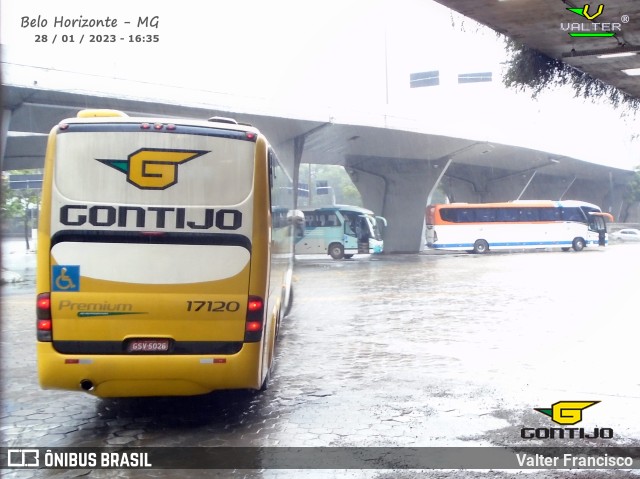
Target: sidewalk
column 18, row 263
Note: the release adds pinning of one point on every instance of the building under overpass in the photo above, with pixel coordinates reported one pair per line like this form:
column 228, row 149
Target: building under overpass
column 395, row 164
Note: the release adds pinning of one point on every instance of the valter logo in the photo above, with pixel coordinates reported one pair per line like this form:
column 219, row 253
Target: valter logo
column 566, row 413
column 584, row 11
column 592, row 26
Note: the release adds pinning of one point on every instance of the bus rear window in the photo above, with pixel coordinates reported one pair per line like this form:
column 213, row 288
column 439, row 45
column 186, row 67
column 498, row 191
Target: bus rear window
column 153, row 168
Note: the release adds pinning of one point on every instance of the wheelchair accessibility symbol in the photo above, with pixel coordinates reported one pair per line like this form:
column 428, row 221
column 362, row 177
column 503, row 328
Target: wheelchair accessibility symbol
column 65, row 278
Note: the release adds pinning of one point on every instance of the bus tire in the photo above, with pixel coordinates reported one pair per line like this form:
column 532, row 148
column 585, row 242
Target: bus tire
column 278, row 324
column 578, row 244
column 287, row 308
column 265, row 382
column 480, row 246
column 336, row 251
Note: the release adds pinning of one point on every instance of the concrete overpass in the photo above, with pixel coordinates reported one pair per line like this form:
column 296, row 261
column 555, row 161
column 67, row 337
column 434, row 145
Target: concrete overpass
column 544, row 25
column 394, row 163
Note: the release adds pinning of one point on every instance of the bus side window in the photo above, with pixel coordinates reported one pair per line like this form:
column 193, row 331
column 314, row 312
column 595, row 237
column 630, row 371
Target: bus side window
column 330, row 219
column 447, row 214
column 310, row 219
column 572, row 214
column 485, row 215
column 548, row 214
column 529, row 214
column 508, row 214
column 465, row 215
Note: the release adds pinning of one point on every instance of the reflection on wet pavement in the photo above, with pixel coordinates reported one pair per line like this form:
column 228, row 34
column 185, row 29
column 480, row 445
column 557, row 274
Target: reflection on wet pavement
column 406, row 350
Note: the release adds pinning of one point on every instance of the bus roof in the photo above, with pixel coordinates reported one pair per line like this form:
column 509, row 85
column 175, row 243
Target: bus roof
column 520, row 203
column 113, row 116
column 356, row 209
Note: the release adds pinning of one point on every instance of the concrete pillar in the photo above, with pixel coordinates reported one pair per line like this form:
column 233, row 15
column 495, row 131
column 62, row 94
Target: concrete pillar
column 372, row 188
column 298, row 148
column 6, row 119
column 398, row 190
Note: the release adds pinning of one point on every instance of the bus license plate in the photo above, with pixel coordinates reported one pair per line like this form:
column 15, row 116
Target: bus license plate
column 148, row 346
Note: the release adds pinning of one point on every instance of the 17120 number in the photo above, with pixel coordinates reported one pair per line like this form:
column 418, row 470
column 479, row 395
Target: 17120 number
column 213, row 306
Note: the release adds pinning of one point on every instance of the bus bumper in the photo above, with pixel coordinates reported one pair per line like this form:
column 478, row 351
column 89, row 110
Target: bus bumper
column 149, row 375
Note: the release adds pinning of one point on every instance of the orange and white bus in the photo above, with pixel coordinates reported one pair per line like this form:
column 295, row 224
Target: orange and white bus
column 164, row 256
column 481, row 227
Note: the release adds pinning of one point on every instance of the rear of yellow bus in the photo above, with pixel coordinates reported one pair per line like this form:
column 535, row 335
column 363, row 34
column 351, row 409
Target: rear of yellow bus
column 153, row 255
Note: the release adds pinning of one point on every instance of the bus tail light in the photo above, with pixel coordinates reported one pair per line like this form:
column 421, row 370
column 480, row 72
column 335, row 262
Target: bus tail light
column 255, row 314
column 43, row 315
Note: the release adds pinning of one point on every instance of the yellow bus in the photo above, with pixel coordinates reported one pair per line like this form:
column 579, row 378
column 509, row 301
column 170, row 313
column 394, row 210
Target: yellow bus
column 165, row 255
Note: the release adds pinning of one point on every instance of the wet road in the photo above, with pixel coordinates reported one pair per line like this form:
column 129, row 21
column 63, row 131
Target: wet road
column 406, row 350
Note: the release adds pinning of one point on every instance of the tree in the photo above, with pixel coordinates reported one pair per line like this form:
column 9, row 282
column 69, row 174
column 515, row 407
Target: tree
column 19, row 205
column 529, row 68
column 336, row 176
column 632, row 194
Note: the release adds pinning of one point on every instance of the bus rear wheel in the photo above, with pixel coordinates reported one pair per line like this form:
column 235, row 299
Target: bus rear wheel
column 336, row 251
column 480, row 246
column 578, row 244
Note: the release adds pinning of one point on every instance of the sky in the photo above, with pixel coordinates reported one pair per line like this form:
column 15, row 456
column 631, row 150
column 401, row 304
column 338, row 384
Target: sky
column 350, row 57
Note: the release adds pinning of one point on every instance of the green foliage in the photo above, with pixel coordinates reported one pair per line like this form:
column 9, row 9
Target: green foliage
column 15, row 203
column 529, row 68
column 344, row 189
column 632, row 194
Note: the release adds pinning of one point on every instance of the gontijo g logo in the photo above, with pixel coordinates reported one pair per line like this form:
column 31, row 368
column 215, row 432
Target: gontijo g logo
column 566, row 413
column 151, row 168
